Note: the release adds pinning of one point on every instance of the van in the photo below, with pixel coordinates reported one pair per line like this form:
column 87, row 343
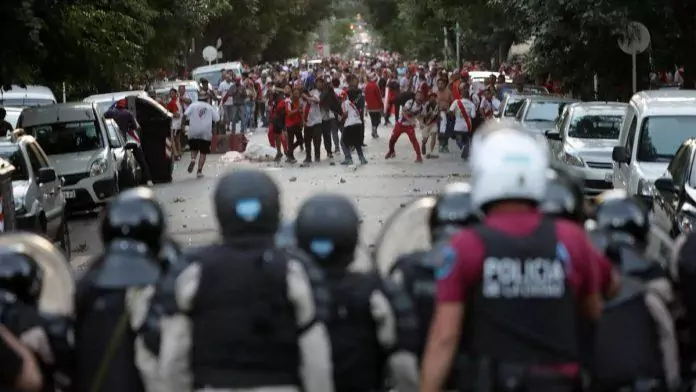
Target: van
column 27, row 96
column 213, row 73
column 656, row 124
column 88, row 154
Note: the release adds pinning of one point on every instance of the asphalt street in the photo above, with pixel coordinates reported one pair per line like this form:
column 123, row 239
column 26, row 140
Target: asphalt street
column 378, row 189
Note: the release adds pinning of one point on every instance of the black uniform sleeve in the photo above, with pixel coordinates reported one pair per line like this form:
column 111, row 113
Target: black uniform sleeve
column 11, row 365
column 320, row 294
column 402, row 332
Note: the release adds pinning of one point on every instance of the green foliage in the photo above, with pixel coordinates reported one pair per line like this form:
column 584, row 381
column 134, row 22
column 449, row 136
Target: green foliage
column 573, row 39
column 105, row 45
column 340, row 35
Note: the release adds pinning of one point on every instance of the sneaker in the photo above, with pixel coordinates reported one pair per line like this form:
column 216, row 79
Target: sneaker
column 419, row 160
column 191, row 166
column 423, row 149
column 278, row 157
column 375, row 135
column 347, row 162
column 363, row 161
column 389, row 155
column 199, row 174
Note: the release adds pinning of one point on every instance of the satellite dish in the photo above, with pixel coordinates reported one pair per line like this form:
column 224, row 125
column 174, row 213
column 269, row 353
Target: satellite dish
column 635, row 39
column 209, row 54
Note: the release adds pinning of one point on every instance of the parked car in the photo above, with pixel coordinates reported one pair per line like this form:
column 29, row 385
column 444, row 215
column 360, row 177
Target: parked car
column 39, row 203
column 674, row 201
column 656, row 124
column 106, row 101
column 12, row 115
column 539, row 113
column 89, row 156
column 191, row 86
column 511, row 88
column 510, row 104
column 27, row 96
column 584, row 139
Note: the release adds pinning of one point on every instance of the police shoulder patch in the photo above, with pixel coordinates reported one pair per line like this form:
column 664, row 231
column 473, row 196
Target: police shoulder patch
column 444, row 262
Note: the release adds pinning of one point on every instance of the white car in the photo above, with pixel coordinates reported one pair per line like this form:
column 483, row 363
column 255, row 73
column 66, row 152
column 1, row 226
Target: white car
column 27, row 96
column 88, row 153
column 39, row 204
column 656, row 124
column 584, row 139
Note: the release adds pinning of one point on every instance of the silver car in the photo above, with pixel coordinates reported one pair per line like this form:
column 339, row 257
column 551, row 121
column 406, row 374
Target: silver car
column 538, row 114
column 583, row 141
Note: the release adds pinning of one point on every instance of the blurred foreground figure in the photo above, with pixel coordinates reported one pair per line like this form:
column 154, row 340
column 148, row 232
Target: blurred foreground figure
column 111, row 291
column 372, row 325
column 254, row 312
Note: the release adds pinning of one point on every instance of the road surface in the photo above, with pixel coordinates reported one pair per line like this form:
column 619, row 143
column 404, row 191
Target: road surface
column 378, row 189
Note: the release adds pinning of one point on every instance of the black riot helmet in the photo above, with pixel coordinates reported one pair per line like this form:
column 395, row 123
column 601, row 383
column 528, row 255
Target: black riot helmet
column 135, row 215
column 564, row 196
column 247, row 203
column 20, row 275
column 452, row 210
column 617, row 211
column 327, row 226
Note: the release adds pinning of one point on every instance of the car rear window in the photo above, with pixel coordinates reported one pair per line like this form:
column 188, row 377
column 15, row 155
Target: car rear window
column 66, row 138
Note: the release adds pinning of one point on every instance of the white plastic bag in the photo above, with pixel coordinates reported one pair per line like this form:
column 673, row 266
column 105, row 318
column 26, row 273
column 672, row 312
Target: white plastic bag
column 232, row 156
column 258, row 152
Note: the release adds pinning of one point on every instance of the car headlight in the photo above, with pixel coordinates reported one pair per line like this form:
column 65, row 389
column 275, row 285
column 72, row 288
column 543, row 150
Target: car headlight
column 686, row 224
column 569, row 158
column 98, row 167
column 646, row 188
column 20, row 206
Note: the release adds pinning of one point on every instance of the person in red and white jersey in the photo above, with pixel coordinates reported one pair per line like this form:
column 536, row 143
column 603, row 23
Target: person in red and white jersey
column 463, row 111
column 406, row 124
column 429, row 125
column 294, row 122
column 353, row 130
column 489, row 104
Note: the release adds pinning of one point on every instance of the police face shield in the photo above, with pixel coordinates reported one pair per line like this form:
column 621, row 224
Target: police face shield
column 126, row 263
column 406, row 232
column 58, row 283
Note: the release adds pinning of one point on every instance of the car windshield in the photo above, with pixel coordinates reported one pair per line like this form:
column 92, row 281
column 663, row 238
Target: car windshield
column 512, row 106
column 105, row 105
column 25, row 102
column 661, row 136
column 599, row 126
column 66, row 138
column 544, row 111
column 213, row 77
column 190, row 94
column 14, row 156
column 12, row 117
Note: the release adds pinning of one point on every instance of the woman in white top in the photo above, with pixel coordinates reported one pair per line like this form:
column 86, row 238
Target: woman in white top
column 352, row 135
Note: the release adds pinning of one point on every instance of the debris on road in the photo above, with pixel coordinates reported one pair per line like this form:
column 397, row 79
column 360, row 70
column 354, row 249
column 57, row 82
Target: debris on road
column 179, row 200
column 293, row 179
column 259, row 153
column 232, row 156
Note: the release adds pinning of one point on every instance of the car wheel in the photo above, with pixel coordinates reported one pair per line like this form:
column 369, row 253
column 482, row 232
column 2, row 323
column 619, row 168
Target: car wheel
column 64, row 238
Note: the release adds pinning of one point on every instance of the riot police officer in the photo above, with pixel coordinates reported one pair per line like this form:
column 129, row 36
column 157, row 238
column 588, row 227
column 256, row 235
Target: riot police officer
column 372, row 325
column 512, row 273
column 564, row 197
column 132, row 230
column 36, row 290
column 415, row 272
column 255, row 312
column 640, row 311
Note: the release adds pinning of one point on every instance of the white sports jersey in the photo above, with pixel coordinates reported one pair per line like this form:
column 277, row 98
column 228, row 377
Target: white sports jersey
column 353, row 116
column 412, row 108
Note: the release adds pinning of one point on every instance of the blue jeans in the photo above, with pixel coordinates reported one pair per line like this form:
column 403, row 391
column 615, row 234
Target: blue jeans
column 248, row 115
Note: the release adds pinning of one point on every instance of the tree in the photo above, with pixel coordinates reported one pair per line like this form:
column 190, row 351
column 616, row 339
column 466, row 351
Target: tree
column 341, row 34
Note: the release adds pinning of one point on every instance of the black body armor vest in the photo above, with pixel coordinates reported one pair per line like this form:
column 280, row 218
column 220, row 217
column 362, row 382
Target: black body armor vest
column 358, row 358
column 523, row 310
column 245, row 333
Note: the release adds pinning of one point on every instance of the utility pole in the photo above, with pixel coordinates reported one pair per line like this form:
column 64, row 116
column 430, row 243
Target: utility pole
column 444, row 49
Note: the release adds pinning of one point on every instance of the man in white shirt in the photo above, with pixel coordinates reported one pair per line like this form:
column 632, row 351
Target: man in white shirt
column 226, row 93
column 463, row 111
column 201, row 116
column 312, row 131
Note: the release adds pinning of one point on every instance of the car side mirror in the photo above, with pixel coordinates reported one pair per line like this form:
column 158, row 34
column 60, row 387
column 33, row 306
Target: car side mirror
column 665, row 184
column 551, row 135
column 620, row 155
column 46, row 174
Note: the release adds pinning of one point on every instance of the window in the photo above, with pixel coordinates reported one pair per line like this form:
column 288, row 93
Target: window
column 661, row 136
column 26, row 102
column 34, row 160
column 14, row 156
column 66, row 138
column 512, row 106
column 631, row 138
column 677, row 167
column 564, row 122
column 115, row 139
column 544, row 111
column 601, row 126
column 520, row 112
